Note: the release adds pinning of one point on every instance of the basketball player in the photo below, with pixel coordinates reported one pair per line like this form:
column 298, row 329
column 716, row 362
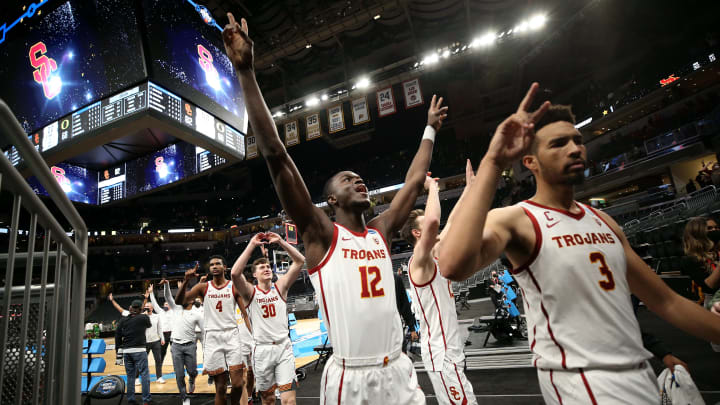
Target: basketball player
column 248, row 345
column 222, row 347
column 273, row 359
column 433, row 300
column 349, row 261
column 575, row 267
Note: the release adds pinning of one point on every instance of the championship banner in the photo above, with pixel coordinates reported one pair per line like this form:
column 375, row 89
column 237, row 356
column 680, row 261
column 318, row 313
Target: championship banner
column 336, row 120
column 312, row 123
column 251, row 147
column 291, row 134
column 360, row 111
column 386, row 102
column 413, row 95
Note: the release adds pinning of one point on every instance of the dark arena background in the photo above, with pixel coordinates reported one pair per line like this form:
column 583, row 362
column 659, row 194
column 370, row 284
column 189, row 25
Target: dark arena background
column 129, row 157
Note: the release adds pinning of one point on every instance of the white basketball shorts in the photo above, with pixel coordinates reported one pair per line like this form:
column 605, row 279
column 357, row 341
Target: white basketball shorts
column 395, row 383
column 637, row 386
column 451, row 386
column 222, row 351
column 274, row 366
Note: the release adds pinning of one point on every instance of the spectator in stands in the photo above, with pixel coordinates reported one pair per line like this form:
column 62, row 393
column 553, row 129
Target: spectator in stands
column 130, row 337
column 690, row 187
column 700, row 242
column 715, row 174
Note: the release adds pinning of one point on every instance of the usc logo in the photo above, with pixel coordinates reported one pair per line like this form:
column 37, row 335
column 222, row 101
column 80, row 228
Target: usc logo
column 455, row 394
column 44, row 66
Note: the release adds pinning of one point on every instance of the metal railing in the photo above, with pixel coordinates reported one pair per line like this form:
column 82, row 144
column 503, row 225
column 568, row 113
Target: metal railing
column 41, row 324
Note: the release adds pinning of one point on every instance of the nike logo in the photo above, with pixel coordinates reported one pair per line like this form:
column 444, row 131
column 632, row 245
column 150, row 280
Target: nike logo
column 346, row 238
column 553, row 224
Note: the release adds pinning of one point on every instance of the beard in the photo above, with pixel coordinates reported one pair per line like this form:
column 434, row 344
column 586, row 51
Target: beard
column 574, row 178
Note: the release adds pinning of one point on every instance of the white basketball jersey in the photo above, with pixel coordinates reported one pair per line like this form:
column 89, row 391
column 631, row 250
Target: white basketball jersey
column 355, row 287
column 219, row 307
column 576, row 294
column 268, row 315
column 244, row 331
column 434, row 306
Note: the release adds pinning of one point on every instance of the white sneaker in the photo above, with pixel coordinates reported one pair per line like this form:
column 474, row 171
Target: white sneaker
column 137, row 382
column 160, row 380
column 186, row 401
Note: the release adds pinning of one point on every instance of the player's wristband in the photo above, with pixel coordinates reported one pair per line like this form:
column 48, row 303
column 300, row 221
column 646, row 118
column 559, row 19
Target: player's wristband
column 429, row 134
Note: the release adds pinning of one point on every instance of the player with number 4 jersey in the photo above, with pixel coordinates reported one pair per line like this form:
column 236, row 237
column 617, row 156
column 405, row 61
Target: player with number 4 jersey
column 574, row 265
column 222, row 343
column 273, row 359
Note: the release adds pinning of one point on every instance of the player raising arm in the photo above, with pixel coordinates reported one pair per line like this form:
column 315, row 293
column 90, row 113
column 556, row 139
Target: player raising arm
column 574, row 265
column 357, row 291
column 273, row 359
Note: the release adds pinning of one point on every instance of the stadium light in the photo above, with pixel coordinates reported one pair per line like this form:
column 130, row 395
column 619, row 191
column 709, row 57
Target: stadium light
column 537, row 21
column 324, row 97
column 430, row 59
column 308, row 46
column 312, row 102
column 484, row 40
column 446, row 54
column 377, row 17
column 363, row 83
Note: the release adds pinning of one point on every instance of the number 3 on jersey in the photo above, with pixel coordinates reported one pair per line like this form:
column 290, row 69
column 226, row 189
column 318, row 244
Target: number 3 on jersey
column 609, row 283
column 370, row 290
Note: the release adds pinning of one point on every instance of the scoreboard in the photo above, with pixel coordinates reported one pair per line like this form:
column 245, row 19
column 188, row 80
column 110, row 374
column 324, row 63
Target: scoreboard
column 85, row 73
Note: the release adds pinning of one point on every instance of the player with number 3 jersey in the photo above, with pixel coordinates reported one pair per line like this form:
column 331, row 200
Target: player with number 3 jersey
column 273, row 359
column 574, row 265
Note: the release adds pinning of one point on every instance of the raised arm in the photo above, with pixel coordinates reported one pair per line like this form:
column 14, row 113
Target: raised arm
column 168, row 295
column 156, row 307
column 243, row 310
column 312, row 222
column 459, row 253
column 394, row 218
column 422, row 266
column 237, row 275
column 469, row 179
column 115, row 304
column 283, row 284
column 186, row 297
column 659, row 298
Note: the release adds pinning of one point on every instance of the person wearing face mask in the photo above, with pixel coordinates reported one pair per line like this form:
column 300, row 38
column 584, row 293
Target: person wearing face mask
column 165, row 323
column 701, row 262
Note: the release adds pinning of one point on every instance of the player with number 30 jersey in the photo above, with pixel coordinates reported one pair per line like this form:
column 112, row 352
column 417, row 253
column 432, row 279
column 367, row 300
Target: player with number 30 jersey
column 273, row 359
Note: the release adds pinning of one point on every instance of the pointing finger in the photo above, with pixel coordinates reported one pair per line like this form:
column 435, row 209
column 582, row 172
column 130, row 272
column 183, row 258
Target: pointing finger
column 540, row 112
column 527, row 101
column 244, row 26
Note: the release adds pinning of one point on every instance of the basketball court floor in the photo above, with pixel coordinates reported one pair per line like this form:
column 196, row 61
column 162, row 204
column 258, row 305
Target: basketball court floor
column 504, row 384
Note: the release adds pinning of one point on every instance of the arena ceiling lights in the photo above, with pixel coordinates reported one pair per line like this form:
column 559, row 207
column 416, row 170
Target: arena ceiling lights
column 484, row 41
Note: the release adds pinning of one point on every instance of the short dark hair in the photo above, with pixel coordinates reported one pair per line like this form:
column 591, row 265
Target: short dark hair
column 258, row 262
column 410, row 224
column 555, row 113
column 224, row 262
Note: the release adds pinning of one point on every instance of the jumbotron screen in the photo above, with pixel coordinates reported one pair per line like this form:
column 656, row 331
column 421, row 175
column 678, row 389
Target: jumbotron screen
column 78, row 183
column 187, row 55
column 66, row 55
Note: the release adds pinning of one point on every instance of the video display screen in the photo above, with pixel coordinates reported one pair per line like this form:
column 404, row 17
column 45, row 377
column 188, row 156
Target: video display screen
column 156, row 169
column 79, row 184
column 112, row 184
column 66, row 56
column 187, row 55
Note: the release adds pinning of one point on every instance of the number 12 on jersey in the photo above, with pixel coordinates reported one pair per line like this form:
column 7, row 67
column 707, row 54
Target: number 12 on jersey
column 370, row 290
